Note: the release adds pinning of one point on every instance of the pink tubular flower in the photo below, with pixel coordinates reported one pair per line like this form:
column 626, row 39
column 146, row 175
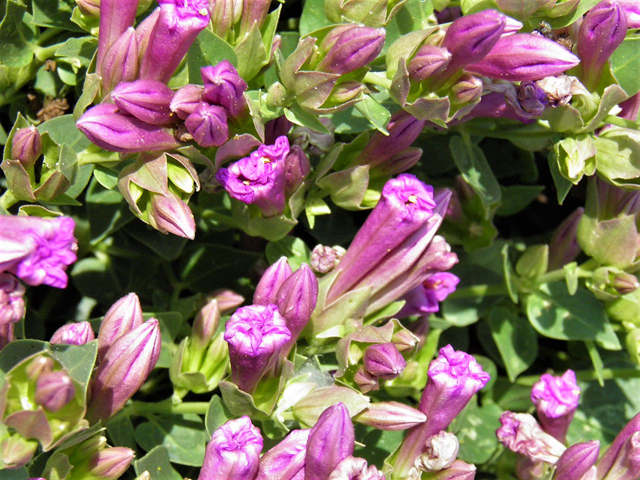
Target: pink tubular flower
column 556, row 400
column 255, row 335
column 454, row 377
column 37, row 250
column 426, row 298
column 521, row 433
column 11, row 301
column 259, row 179
column 233, row 452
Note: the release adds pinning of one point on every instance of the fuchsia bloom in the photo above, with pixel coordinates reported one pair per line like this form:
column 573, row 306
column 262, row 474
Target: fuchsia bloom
column 454, row 377
column 11, row 301
column 556, row 400
column 223, row 86
column 521, row 433
column 331, row 440
column 37, row 250
column 426, row 298
column 256, row 335
column 259, row 179
column 271, row 281
column 73, row 334
column 147, row 100
column 233, row 452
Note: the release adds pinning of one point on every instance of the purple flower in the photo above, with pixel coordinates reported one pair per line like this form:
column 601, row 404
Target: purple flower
column 286, row 460
column 73, row 334
column 454, row 377
column 177, row 26
column 521, row 433
column 186, row 100
column 577, row 460
column 147, row 100
column 556, row 400
column 601, row 32
column 122, row 317
column 116, row 16
column 612, row 462
column 115, row 131
column 350, row 47
column 524, row 56
column 255, row 335
column 426, row 297
column 208, row 125
column 233, row 452
column 356, row 468
column 54, row 390
column 124, row 368
column 331, row 440
column 37, row 250
column 224, row 87
column 384, row 361
column 259, row 179
column 120, row 64
column 26, row 146
column 271, row 281
column 11, row 301
column 429, row 60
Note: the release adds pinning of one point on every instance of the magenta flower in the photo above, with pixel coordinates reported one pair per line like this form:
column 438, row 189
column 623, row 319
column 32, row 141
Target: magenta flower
column 384, row 361
column 11, row 301
column 73, row 334
column 556, row 400
column 454, row 377
column 259, row 179
column 271, row 281
column 331, row 440
column 256, row 335
column 147, row 100
column 223, row 86
column 521, row 433
column 426, row 297
column 233, row 452
column 208, row 125
column 286, row 460
column 37, row 250
column 178, row 25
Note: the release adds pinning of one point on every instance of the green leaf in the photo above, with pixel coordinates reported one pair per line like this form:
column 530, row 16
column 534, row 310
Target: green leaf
column 562, row 184
column 156, row 462
column 54, row 13
column 618, row 156
column 476, row 431
column 313, row 17
column 516, row 198
column 216, row 415
column 625, row 63
column 78, row 51
column 19, row 474
column 252, row 54
column 62, row 130
column 293, row 248
column 475, row 169
column 516, row 340
column 16, row 35
column 183, row 436
column 373, row 111
column 78, row 360
column 596, row 360
column 208, row 49
column 120, row 429
column 555, row 313
column 297, row 115
column 568, row 19
column 507, row 271
column 376, row 444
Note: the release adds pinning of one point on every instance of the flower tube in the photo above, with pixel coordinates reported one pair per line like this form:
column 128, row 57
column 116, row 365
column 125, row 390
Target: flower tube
column 37, row 250
column 556, row 400
column 115, row 17
column 233, row 452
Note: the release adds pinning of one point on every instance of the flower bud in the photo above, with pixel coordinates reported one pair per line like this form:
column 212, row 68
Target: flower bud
column 285, row 461
column 618, row 450
column 467, row 89
column 223, row 86
column 255, row 335
column 208, row 125
column 564, row 247
column 626, row 465
column 233, row 452
column 39, row 366
column 331, row 440
column 205, row 324
column 147, row 100
column 390, row 416
column 7, row 334
column 521, row 433
column 353, row 48
column 144, row 31
column 297, row 167
column 170, row 214
column 351, row 468
column 109, row 463
column 12, row 307
column 316, row 143
column 602, row 31
column 429, row 60
column 272, row 279
column 365, row 381
column 426, row 298
column 90, row 8
column 116, row 16
column 384, row 361
column 533, row 263
column 556, row 400
column 54, row 390
column 227, row 299
column 577, row 460
column 120, row 63
column 112, row 130
column 185, row 100
column 632, row 12
column 296, row 300
column 441, row 450
column 524, row 56
column 73, row 334
column 123, row 316
column 26, row 146
column 123, row 370
column 16, row 451
column 324, row 259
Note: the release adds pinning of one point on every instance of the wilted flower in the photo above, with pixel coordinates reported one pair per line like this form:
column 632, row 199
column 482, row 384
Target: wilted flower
column 324, row 259
column 556, row 400
column 521, row 433
column 441, row 450
column 73, row 334
column 353, row 467
column 233, row 452
column 37, row 250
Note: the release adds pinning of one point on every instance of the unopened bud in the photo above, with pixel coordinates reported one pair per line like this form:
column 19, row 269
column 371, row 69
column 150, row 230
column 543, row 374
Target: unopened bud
column 384, row 361
column 54, row 390
column 208, row 125
column 186, row 99
column 390, row 416
column 271, row 281
column 73, row 334
column 26, row 146
column 353, row 48
column 123, row 316
column 429, row 60
column 324, row 259
column 147, row 100
column 120, row 64
column 205, row 324
column 170, row 214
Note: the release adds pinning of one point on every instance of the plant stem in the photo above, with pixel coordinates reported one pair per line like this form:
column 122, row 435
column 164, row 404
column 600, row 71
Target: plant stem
column 377, row 79
column 620, row 122
column 7, row 200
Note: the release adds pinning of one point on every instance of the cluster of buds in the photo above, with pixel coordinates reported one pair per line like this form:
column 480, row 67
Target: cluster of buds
column 324, row 74
column 260, row 336
column 395, row 251
column 202, row 358
column 325, row 452
column 541, row 446
column 267, row 176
